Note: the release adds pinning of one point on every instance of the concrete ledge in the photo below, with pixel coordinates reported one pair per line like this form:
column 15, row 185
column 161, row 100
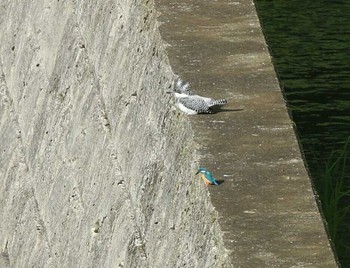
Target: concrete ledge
column 266, row 203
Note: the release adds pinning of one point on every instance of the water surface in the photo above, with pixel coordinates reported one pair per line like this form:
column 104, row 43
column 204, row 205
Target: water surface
column 310, row 45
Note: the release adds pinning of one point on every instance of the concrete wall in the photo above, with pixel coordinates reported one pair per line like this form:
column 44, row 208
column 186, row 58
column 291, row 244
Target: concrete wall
column 96, row 167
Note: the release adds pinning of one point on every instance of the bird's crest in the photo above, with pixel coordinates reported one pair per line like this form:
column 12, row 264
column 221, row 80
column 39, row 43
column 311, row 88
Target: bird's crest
column 182, row 87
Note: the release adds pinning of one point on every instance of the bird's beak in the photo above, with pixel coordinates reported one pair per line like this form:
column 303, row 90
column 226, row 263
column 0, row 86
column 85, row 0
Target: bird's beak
column 169, row 92
column 197, row 172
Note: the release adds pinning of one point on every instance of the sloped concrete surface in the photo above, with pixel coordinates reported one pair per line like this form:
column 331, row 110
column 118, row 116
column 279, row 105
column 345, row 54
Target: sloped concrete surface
column 96, row 166
column 265, row 201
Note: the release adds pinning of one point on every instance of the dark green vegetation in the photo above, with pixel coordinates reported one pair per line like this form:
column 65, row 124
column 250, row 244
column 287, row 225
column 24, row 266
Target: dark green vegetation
column 310, row 45
column 334, row 194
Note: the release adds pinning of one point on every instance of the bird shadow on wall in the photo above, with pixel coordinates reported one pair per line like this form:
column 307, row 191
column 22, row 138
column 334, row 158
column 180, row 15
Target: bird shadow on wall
column 220, row 181
column 218, row 109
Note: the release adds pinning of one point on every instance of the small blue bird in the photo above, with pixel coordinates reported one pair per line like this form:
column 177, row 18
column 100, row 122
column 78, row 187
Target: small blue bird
column 207, row 176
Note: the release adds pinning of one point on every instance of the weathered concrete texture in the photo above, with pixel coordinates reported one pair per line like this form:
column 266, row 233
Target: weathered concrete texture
column 96, row 167
column 265, row 202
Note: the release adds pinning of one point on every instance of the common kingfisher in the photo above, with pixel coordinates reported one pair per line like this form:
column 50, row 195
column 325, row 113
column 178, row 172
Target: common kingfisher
column 207, row 176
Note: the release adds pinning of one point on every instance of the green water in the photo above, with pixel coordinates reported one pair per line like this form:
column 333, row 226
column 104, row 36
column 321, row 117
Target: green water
column 310, row 45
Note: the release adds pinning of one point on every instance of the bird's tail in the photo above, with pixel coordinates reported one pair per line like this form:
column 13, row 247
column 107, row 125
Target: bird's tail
column 218, row 102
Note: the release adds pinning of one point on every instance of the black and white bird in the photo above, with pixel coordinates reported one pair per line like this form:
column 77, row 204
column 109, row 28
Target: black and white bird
column 190, row 103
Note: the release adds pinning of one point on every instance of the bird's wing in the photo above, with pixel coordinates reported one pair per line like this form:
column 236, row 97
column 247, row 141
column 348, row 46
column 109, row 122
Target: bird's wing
column 211, row 178
column 195, row 104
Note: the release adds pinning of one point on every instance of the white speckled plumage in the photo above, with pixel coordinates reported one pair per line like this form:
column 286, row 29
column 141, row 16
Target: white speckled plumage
column 190, row 103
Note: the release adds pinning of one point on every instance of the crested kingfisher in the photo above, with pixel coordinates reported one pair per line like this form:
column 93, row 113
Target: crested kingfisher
column 190, row 103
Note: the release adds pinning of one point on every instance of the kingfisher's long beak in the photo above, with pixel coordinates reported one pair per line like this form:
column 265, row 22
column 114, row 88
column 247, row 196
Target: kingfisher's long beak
column 197, row 172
